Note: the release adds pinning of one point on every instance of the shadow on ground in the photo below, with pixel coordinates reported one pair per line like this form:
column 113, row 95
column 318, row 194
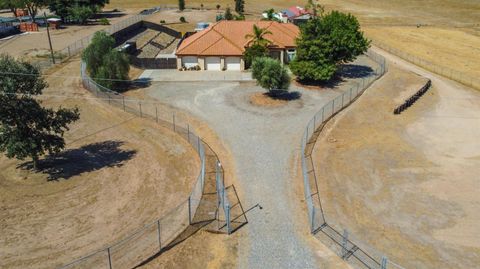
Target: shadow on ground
column 344, row 72
column 354, row 71
column 284, row 95
column 88, row 158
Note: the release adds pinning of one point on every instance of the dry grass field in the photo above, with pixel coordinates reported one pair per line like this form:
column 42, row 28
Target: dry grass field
column 119, row 172
column 406, row 184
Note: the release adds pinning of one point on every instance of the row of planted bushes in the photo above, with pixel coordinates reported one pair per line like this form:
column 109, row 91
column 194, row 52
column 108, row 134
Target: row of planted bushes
column 410, row 101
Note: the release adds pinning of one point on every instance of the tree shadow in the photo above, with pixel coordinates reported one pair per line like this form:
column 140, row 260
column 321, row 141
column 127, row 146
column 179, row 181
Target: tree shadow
column 283, row 95
column 354, row 71
column 330, row 84
column 344, row 72
column 135, row 84
column 88, row 158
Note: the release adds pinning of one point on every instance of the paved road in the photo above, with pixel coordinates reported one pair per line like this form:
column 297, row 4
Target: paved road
column 263, row 141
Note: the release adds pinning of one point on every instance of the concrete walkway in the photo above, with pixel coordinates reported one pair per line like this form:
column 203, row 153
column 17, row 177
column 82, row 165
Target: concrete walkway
column 182, row 76
column 264, row 142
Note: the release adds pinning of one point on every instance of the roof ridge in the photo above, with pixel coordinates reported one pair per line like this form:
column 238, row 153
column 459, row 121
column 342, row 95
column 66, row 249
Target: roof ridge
column 201, row 34
column 229, row 41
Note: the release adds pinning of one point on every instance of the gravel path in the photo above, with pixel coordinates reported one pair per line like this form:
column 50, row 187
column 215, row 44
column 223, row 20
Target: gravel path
column 263, row 141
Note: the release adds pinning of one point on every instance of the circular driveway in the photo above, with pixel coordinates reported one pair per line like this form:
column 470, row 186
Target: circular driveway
column 264, row 142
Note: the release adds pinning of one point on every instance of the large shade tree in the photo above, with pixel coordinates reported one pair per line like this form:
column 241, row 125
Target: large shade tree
column 105, row 64
column 28, row 130
column 325, row 43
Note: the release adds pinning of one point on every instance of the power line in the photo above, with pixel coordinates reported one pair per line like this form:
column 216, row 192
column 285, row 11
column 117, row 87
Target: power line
column 123, row 98
column 65, row 76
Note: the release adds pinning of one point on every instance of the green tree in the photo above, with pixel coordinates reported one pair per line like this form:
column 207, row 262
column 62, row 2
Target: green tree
column 240, row 6
column 105, row 64
column 270, row 74
column 326, row 42
column 33, row 6
column 257, row 37
column 181, row 5
column 13, row 5
column 81, row 14
column 61, row 8
column 28, row 130
column 253, row 52
column 315, row 7
column 93, row 55
column 114, row 69
column 228, row 14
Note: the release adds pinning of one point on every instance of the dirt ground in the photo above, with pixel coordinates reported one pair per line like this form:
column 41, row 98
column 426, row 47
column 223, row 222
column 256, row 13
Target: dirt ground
column 406, row 184
column 119, row 172
column 35, row 44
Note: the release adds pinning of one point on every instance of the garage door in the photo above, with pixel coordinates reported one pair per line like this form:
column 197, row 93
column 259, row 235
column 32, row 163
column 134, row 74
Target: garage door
column 213, row 63
column 189, row 61
column 233, row 63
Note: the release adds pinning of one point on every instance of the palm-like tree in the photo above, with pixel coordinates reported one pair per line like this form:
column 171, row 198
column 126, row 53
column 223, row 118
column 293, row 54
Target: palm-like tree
column 258, row 36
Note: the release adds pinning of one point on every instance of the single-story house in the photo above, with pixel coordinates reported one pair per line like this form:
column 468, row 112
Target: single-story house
column 296, row 14
column 221, row 45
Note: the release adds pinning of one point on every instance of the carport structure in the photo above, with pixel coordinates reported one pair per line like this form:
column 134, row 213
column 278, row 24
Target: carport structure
column 221, row 46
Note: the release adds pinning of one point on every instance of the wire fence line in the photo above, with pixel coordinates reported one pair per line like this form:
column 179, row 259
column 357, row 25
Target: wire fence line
column 337, row 239
column 443, row 71
column 154, row 237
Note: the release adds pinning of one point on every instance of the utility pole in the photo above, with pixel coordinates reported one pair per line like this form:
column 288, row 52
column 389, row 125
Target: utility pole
column 49, row 39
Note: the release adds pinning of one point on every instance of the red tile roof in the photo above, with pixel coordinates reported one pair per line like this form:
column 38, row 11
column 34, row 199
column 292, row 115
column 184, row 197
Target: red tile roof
column 227, row 38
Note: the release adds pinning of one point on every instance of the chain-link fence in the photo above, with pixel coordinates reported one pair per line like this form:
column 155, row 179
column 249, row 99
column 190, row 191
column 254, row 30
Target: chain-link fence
column 443, row 71
column 156, row 236
column 358, row 254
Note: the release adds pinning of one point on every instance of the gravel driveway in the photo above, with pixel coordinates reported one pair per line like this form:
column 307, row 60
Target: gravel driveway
column 263, row 141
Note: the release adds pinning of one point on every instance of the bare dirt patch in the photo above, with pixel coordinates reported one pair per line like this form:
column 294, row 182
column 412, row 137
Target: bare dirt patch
column 119, row 172
column 37, row 42
column 405, row 184
column 262, row 99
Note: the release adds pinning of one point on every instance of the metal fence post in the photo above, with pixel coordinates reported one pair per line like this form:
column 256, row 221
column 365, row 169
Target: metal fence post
column 198, row 143
column 159, row 238
column 227, row 216
column 344, row 243
column 188, row 133
column 173, row 115
column 384, row 263
column 156, row 114
column 189, row 210
column 109, row 258
column 140, row 107
column 123, row 101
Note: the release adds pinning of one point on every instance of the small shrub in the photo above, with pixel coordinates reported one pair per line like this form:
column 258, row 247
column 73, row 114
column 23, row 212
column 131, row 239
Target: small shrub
column 182, row 19
column 270, row 74
column 162, row 21
column 104, row 21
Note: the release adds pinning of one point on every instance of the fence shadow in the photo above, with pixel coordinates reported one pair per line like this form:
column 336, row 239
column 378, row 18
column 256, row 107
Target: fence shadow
column 85, row 159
